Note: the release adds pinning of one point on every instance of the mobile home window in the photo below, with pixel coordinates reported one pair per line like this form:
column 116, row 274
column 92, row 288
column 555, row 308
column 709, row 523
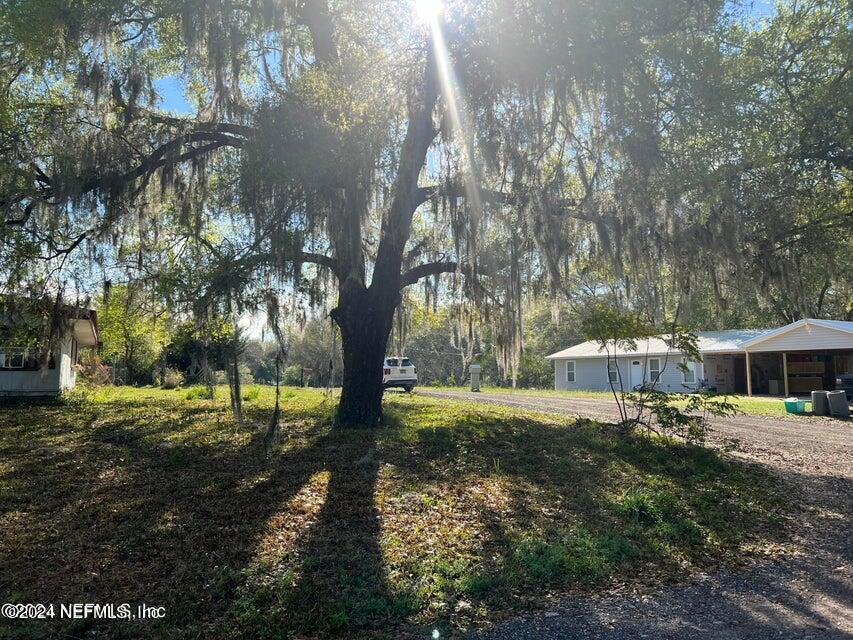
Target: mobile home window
column 654, row 369
column 24, row 359
column 613, row 372
column 689, row 375
column 570, row 371
column 13, row 358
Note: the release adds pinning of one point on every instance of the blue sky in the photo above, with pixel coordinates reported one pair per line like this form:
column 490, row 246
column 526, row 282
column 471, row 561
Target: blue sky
column 172, row 95
column 763, row 8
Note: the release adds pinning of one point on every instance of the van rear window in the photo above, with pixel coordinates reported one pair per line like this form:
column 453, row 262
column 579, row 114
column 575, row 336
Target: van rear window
column 406, row 363
column 392, row 362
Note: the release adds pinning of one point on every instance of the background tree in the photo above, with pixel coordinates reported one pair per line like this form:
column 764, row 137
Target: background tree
column 133, row 331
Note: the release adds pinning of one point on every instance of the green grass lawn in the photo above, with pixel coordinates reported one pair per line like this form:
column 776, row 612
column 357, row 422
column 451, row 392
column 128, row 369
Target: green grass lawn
column 759, row 406
column 453, row 515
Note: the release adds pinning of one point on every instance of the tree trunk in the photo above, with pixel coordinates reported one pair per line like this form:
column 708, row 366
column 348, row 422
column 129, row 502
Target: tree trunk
column 232, row 366
column 235, row 388
column 365, row 314
column 365, row 320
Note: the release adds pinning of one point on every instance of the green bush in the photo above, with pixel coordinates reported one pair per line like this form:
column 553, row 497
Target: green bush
column 197, row 393
column 292, row 376
column 639, row 507
column 172, row 379
column 250, row 393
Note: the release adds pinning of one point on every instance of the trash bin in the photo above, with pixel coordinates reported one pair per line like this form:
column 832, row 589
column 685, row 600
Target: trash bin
column 820, row 403
column 795, row 405
column 475, row 370
column 844, row 382
column 838, row 406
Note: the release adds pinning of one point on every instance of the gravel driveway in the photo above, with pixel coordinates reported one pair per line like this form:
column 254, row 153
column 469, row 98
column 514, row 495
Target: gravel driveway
column 807, row 596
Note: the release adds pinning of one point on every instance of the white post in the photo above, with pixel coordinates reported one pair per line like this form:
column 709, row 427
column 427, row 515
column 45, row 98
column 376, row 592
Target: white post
column 748, row 376
column 785, row 371
column 475, row 370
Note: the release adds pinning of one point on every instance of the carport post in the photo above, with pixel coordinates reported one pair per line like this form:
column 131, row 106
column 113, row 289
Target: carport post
column 785, row 371
column 748, row 376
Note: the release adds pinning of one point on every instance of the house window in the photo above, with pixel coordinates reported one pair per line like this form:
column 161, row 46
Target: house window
column 688, row 375
column 613, row 372
column 654, row 369
column 24, row 359
column 570, row 371
column 13, row 358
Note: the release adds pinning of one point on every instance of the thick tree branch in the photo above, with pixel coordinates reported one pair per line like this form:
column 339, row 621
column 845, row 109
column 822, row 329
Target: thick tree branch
column 428, row 269
column 448, row 266
column 315, row 15
column 162, row 157
column 232, row 128
column 115, row 181
column 396, row 227
column 319, row 259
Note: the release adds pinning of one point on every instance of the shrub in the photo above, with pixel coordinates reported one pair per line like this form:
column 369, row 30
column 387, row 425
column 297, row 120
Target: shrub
column 646, row 406
column 95, row 372
column 292, row 376
column 681, row 415
column 251, row 393
column 640, row 507
column 172, row 379
column 198, row 393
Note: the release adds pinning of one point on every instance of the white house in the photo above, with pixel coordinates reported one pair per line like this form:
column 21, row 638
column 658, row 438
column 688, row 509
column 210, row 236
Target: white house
column 798, row 358
column 23, row 371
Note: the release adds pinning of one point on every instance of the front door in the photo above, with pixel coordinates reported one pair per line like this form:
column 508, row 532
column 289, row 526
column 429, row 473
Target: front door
column 636, row 373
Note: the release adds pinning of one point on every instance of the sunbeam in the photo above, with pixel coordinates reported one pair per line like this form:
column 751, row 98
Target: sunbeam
column 432, row 11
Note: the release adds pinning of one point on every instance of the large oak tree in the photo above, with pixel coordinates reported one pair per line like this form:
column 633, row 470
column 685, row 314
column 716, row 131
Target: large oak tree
column 352, row 142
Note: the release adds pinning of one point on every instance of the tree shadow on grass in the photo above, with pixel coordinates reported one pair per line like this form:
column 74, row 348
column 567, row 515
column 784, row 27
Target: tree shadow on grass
column 175, row 509
column 582, row 503
column 804, row 595
column 124, row 512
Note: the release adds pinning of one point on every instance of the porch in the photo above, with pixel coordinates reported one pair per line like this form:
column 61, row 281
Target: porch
column 777, row 373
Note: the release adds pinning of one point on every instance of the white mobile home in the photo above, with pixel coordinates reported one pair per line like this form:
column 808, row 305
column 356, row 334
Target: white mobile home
column 798, row 358
column 26, row 372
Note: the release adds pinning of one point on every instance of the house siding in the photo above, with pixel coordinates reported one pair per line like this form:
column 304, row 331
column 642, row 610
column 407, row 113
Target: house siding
column 806, row 338
column 45, row 382
column 591, row 374
column 68, row 375
column 23, row 383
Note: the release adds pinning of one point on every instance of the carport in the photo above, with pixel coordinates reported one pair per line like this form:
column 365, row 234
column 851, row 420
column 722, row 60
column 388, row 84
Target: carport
column 799, row 358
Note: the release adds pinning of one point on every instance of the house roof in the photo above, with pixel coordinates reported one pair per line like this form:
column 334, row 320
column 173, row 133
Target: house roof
column 86, row 329
column 727, row 341
column 708, row 342
column 838, row 325
column 84, row 321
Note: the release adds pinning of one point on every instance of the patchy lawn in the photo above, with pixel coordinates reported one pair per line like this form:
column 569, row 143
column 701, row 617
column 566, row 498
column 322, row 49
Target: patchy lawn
column 750, row 405
column 453, row 515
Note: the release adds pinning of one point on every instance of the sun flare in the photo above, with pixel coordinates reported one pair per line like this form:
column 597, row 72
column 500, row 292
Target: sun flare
column 428, row 10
